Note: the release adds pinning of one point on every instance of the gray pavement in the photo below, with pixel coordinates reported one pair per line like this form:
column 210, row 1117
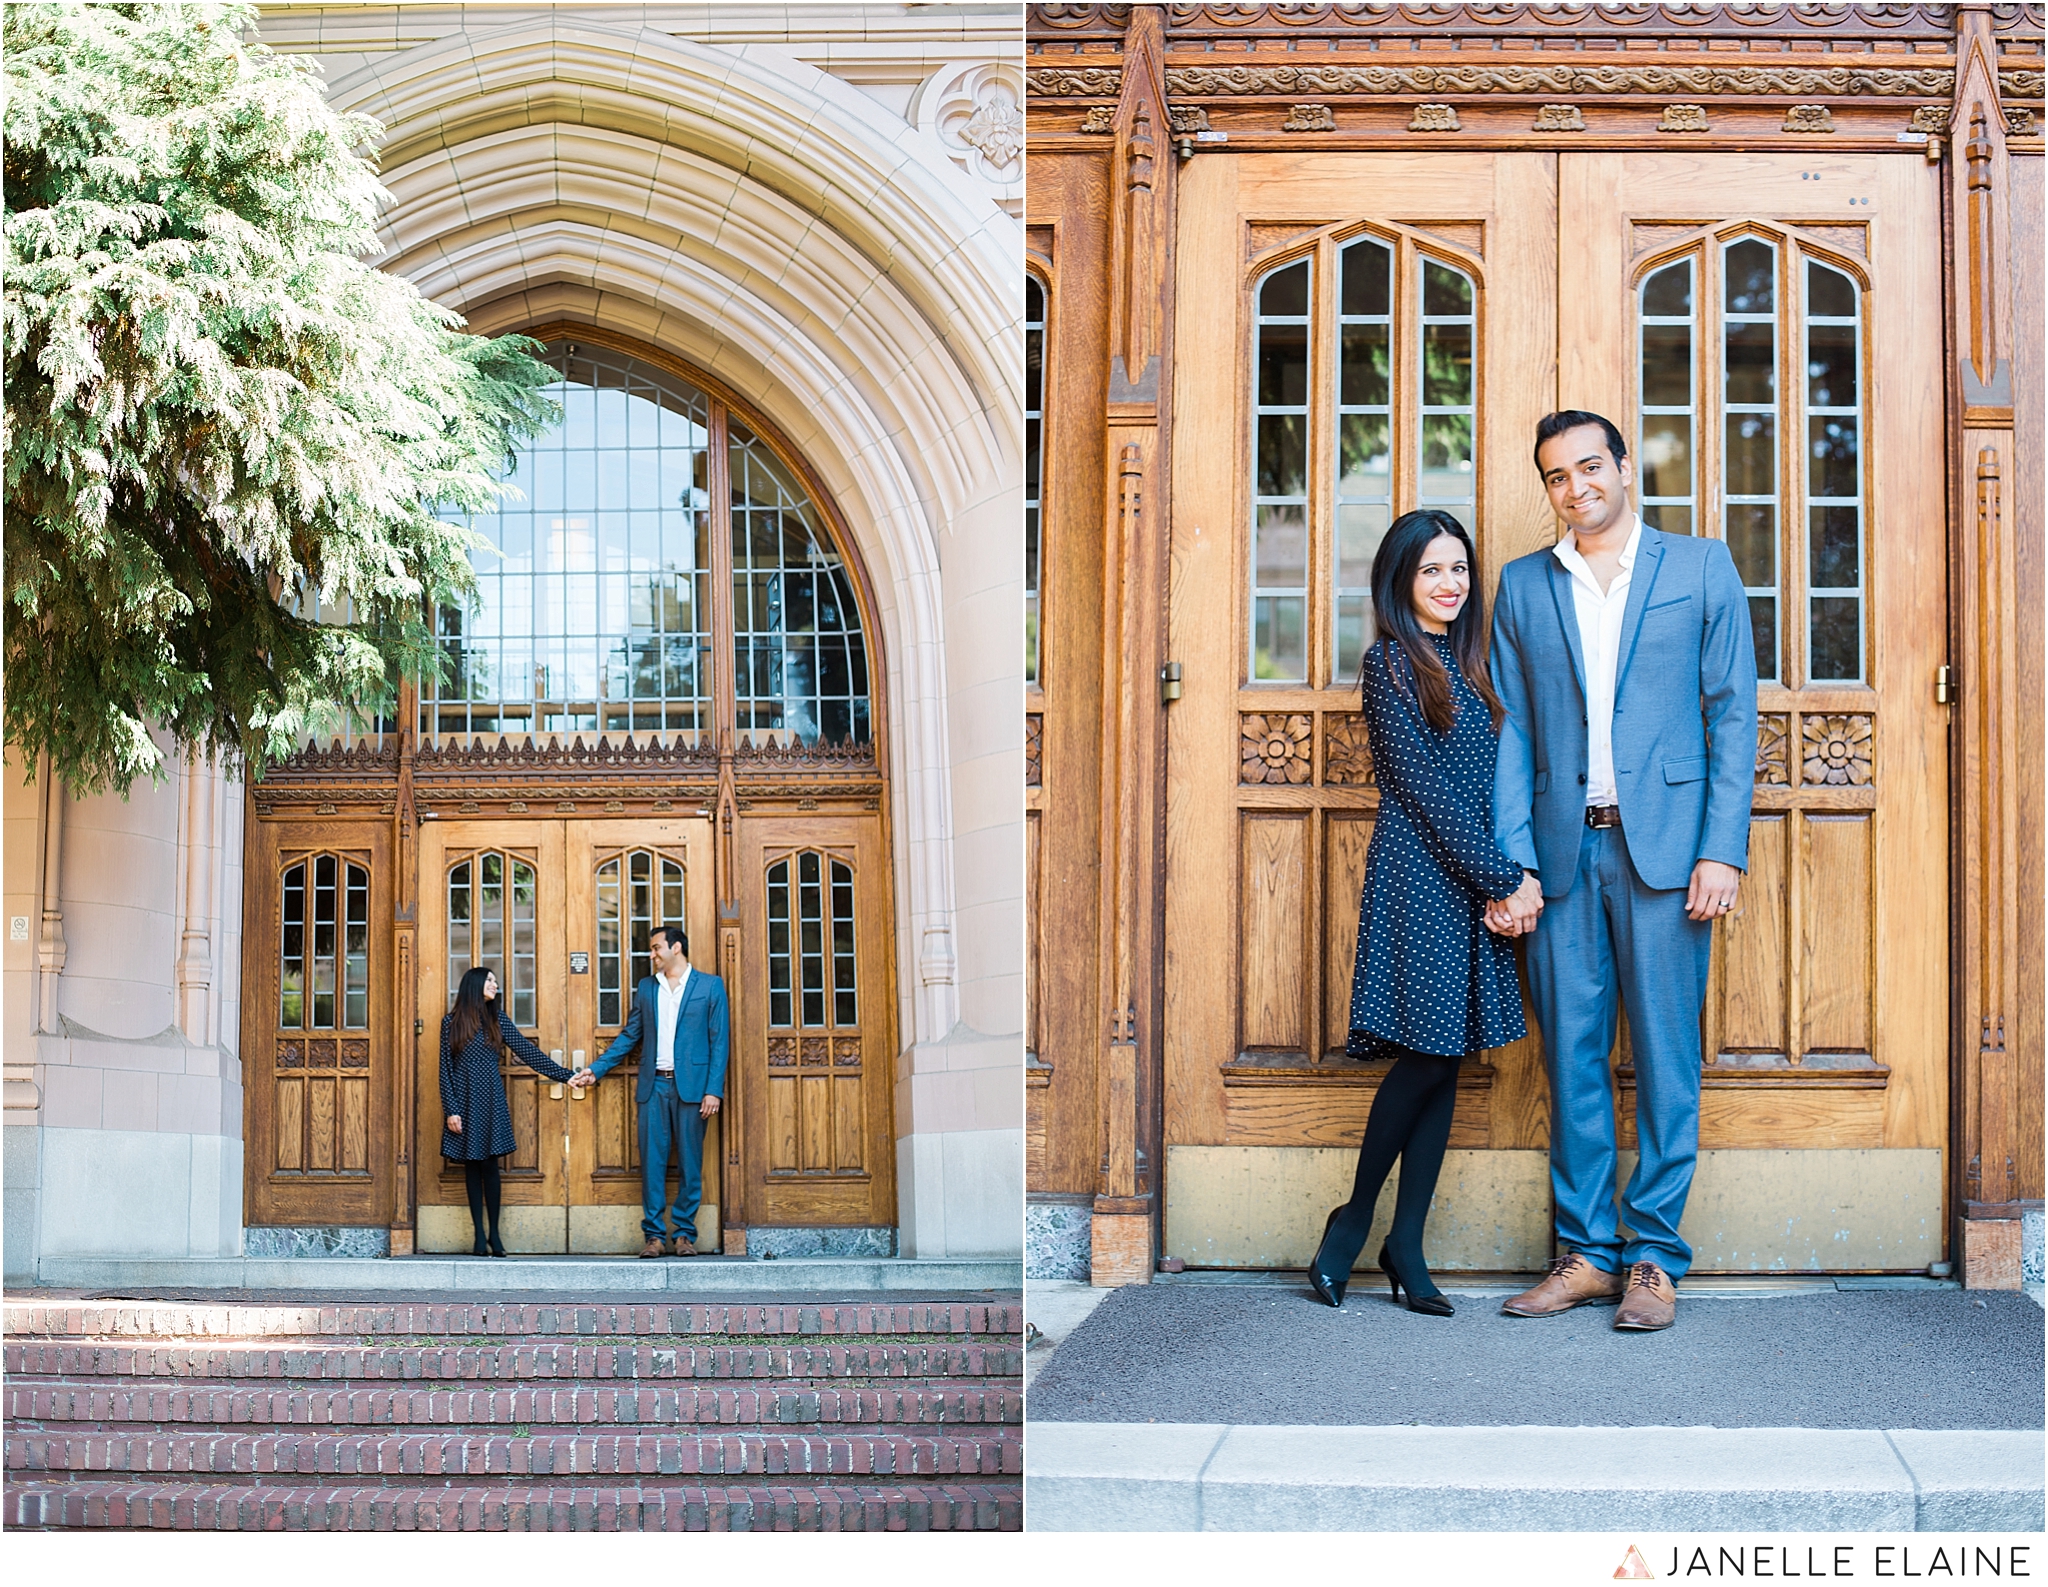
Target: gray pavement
column 1111, row 1477
column 1816, row 1358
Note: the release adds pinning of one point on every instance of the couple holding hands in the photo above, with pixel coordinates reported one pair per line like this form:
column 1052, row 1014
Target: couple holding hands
column 681, row 1028
column 1582, row 780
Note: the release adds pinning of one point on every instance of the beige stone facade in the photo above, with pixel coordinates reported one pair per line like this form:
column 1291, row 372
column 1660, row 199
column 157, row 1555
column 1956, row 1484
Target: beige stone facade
column 819, row 207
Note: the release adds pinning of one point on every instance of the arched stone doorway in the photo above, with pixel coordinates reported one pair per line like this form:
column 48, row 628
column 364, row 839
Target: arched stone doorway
column 660, row 710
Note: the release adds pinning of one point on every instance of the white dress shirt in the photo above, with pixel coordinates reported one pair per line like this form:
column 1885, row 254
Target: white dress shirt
column 668, row 1004
column 1600, row 612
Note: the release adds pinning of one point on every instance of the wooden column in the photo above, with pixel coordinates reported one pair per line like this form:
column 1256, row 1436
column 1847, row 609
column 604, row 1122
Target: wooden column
column 1124, row 1222
column 1984, row 758
column 406, row 1024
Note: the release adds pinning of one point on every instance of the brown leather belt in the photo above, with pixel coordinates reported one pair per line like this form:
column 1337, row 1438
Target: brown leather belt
column 1600, row 817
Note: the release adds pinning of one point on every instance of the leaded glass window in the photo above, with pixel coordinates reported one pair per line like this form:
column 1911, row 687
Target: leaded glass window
column 324, row 945
column 492, row 904
column 595, row 608
column 1364, row 405
column 635, row 893
column 1783, row 346
column 1034, row 437
column 812, row 976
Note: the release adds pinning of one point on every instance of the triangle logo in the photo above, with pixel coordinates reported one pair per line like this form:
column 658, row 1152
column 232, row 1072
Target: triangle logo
column 1634, row 1567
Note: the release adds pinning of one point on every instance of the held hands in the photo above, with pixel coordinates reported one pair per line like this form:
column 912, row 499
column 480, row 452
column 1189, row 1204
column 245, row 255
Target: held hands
column 581, row 1078
column 1713, row 890
column 1516, row 915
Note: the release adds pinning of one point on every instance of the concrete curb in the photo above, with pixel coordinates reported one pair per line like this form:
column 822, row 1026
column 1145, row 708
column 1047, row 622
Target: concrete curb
column 567, row 1275
column 1178, row 1477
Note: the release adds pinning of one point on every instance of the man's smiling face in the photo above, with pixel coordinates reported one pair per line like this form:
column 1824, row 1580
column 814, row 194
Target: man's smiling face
column 1587, row 484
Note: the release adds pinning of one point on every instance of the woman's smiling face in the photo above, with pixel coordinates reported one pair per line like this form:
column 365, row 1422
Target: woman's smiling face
column 1443, row 583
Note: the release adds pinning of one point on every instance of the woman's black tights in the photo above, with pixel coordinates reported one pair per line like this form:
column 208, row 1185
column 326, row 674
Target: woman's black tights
column 1411, row 1120
column 485, row 1190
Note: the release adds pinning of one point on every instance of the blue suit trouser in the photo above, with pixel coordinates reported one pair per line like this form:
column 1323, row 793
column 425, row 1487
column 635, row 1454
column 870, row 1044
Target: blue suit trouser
column 1612, row 942
column 669, row 1124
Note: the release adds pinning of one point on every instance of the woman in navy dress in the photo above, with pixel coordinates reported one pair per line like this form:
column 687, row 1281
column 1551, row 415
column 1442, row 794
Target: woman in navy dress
column 1433, row 982
column 475, row 1035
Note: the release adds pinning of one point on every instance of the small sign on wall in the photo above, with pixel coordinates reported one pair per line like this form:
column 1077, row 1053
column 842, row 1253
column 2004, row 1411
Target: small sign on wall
column 579, row 964
column 17, row 928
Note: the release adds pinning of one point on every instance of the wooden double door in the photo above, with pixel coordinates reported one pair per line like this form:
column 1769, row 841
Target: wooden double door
column 561, row 909
column 1362, row 333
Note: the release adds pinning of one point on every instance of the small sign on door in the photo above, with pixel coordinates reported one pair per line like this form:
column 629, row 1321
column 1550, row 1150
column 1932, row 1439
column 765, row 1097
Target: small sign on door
column 579, row 964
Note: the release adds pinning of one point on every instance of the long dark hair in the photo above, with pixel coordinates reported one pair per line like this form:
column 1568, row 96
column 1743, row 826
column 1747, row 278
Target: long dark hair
column 472, row 1013
column 1393, row 608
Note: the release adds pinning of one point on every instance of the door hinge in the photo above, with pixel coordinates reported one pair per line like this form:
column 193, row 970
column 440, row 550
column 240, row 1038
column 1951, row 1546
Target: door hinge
column 1944, row 685
column 1169, row 683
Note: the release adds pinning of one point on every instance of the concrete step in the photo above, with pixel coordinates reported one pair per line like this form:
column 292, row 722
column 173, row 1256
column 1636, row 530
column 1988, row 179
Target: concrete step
column 108, row 1406
column 60, row 1456
column 479, row 1508
column 543, row 1360
column 702, row 1275
column 426, row 1321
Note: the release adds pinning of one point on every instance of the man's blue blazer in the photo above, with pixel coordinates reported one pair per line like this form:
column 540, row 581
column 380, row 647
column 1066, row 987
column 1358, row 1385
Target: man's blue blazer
column 703, row 1040
column 1684, row 714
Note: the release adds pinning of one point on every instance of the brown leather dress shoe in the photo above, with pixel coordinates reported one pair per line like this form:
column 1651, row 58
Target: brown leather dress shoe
column 1651, row 1302
column 684, row 1248
column 653, row 1247
column 1572, row 1281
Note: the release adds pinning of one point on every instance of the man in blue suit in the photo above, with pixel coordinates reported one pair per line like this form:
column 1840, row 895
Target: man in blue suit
column 682, row 1030
column 1624, row 658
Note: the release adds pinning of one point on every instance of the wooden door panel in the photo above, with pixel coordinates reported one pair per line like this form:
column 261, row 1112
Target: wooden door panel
column 1825, row 1023
column 813, row 1037
column 317, row 1063
column 534, row 1176
column 1269, row 798
column 604, row 1180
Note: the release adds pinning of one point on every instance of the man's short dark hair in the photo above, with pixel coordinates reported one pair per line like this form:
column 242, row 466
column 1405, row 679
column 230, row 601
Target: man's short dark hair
column 673, row 935
column 1552, row 425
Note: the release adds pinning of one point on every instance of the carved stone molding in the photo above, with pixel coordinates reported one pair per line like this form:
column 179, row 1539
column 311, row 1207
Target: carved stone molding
column 1275, row 748
column 1809, row 118
column 1838, row 750
column 976, row 112
column 1347, row 751
column 1310, row 118
column 1560, row 118
column 1433, row 118
column 1881, row 82
column 1773, row 733
column 1683, row 118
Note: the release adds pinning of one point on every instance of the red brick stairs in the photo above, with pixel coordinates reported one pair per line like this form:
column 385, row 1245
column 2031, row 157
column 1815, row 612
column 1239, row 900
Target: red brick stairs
column 513, row 1416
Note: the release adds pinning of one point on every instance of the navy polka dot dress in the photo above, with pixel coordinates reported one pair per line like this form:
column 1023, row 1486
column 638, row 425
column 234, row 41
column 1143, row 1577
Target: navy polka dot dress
column 1430, row 976
column 472, row 1087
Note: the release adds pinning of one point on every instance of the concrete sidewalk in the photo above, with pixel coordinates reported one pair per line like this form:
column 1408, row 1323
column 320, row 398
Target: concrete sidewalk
column 1175, row 1477
column 1808, row 1404
column 701, row 1275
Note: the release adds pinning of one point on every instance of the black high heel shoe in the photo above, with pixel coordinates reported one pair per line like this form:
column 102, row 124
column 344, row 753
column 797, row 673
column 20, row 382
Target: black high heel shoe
column 497, row 1245
column 1329, row 1290
column 1428, row 1305
column 479, row 1248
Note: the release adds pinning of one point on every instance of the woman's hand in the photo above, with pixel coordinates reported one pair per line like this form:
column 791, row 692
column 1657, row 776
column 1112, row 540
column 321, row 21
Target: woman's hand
column 455, row 1123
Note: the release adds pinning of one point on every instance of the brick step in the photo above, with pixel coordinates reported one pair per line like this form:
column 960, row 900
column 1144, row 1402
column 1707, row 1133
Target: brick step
column 453, row 1360
column 492, row 1508
column 221, row 1406
column 70, row 1456
column 425, row 1321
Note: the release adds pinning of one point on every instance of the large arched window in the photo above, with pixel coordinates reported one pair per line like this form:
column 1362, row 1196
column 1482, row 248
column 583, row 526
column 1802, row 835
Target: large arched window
column 661, row 571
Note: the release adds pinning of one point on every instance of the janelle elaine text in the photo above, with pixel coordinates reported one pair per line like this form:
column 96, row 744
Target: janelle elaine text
column 1856, row 1561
